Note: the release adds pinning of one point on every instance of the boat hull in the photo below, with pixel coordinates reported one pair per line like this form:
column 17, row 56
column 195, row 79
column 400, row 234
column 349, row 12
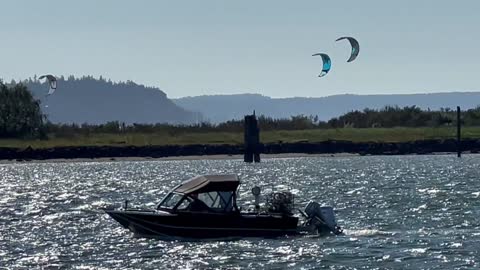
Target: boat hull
column 204, row 225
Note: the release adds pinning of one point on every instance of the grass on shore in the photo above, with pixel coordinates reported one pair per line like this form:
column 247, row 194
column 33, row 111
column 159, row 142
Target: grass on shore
column 314, row 135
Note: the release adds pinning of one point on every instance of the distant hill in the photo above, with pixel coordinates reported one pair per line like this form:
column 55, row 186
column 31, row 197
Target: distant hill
column 95, row 101
column 219, row 108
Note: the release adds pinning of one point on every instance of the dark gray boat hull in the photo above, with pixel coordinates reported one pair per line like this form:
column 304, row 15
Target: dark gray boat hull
column 204, row 225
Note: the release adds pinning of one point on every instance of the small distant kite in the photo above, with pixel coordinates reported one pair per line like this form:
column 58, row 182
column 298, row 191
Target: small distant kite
column 327, row 63
column 52, row 81
column 355, row 47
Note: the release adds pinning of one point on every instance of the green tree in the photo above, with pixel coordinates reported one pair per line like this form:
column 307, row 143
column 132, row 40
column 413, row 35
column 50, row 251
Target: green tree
column 20, row 113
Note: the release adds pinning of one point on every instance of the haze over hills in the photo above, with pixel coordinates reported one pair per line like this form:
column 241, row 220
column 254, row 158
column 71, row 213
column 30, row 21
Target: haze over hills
column 219, row 108
column 96, row 101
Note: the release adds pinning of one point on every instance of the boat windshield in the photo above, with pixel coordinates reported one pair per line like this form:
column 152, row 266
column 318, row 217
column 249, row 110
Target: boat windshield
column 216, row 200
column 170, row 201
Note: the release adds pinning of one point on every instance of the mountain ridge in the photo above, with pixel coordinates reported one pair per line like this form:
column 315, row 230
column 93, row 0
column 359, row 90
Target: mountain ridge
column 97, row 101
column 220, row 108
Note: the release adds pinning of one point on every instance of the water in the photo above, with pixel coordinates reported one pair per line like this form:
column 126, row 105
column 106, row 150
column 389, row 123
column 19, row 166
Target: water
column 399, row 212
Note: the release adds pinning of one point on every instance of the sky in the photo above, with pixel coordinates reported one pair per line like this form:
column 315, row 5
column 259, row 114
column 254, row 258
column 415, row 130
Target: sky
column 190, row 48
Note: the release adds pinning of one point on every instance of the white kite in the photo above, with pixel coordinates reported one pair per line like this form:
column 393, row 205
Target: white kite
column 52, row 81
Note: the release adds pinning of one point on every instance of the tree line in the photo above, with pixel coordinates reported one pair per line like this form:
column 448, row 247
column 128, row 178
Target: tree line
column 20, row 114
column 409, row 116
column 387, row 117
column 21, row 117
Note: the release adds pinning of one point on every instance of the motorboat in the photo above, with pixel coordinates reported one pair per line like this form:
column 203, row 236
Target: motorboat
column 205, row 207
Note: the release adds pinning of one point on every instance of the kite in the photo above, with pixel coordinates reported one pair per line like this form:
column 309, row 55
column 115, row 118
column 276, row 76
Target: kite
column 52, row 82
column 355, row 47
column 327, row 63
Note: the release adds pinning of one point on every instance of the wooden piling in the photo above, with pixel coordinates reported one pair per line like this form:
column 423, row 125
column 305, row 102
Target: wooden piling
column 251, row 139
column 459, row 140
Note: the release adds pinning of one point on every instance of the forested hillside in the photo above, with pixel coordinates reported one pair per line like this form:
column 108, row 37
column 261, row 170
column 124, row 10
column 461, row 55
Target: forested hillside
column 96, row 101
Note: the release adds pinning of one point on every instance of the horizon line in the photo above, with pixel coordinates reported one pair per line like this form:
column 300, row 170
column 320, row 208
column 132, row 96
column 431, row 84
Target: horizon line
column 346, row 93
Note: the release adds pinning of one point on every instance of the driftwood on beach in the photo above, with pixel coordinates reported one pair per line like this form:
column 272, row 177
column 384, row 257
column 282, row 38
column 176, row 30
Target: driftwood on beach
column 326, row 147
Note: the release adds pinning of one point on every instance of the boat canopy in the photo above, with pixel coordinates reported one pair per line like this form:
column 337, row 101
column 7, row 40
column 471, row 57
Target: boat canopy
column 208, row 183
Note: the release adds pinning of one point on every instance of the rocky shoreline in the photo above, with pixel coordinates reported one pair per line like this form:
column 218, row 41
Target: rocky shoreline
column 327, row 147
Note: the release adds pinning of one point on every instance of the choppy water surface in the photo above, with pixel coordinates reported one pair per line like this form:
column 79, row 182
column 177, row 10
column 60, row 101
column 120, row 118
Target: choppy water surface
column 405, row 212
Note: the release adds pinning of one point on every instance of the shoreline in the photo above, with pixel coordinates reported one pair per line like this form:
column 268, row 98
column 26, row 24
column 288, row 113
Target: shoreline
column 175, row 158
column 208, row 157
column 226, row 151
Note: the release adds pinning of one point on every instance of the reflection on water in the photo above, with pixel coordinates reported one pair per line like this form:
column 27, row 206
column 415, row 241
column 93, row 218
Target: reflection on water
column 411, row 212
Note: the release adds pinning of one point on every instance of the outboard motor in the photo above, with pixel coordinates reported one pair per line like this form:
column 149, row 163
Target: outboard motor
column 322, row 218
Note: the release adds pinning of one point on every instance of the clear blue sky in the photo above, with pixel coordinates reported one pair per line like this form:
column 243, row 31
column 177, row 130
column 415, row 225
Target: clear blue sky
column 211, row 47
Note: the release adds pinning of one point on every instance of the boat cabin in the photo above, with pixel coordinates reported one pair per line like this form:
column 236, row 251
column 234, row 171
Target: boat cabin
column 205, row 193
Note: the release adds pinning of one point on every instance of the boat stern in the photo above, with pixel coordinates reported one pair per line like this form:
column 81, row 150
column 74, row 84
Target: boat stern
column 320, row 219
